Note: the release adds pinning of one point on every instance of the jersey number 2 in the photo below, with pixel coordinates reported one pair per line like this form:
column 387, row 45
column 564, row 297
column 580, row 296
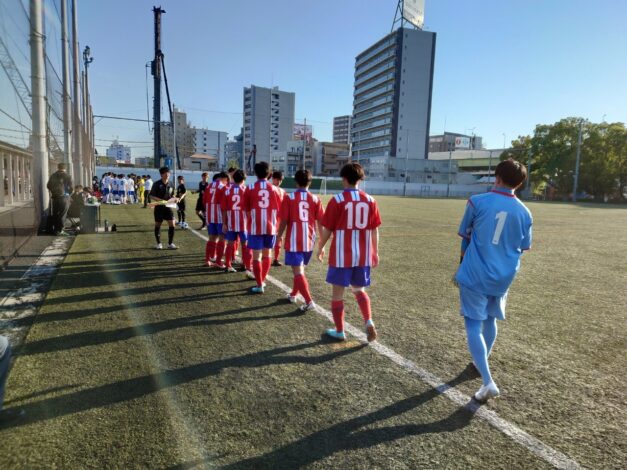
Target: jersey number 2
column 500, row 217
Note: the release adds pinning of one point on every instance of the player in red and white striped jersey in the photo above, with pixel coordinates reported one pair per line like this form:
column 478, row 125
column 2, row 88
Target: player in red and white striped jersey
column 301, row 212
column 214, row 250
column 352, row 217
column 277, row 179
column 262, row 205
column 235, row 221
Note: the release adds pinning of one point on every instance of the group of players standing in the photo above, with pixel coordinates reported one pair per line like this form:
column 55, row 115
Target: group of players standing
column 256, row 218
column 124, row 189
column 495, row 231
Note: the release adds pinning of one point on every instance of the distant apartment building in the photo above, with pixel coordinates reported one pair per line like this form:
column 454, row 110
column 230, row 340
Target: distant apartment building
column 453, row 141
column 268, row 121
column 341, row 129
column 234, row 150
column 392, row 99
column 211, row 143
column 329, row 157
column 298, row 154
column 185, row 136
column 121, row 153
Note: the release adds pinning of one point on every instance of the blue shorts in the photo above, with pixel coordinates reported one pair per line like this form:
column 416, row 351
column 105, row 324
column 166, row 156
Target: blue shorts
column 232, row 236
column 297, row 258
column 115, row 192
column 260, row 242
column 131, row 193
column 214, row 229
column 106, row 191
column 477, row 306
column 358, row 276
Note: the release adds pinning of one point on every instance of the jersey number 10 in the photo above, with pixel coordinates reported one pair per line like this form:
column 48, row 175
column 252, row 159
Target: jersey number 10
column 357, row 216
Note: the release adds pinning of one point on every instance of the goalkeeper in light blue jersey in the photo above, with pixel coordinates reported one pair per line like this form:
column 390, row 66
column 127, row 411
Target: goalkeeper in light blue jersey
column 495, row 230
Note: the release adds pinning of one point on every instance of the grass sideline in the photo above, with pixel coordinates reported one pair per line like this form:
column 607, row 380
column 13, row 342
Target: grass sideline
column 211, row 376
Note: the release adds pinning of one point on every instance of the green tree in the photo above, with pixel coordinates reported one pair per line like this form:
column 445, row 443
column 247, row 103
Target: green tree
column 553, row 150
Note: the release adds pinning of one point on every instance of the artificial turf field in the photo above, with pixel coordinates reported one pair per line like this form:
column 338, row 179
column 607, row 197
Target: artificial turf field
column 141, row 358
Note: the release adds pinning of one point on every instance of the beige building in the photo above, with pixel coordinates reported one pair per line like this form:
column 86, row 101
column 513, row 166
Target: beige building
column 201, row 162
column 185, row 136
column 330, row 157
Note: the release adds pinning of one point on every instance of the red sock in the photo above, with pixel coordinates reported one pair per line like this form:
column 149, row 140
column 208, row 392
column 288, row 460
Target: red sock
column 303, row 287
column 257, row 272
column 247, row 257
column 210, row 250
column 265, row 267
column 235, row 247
column 228, row 258
column 221, row 245
column 294, row 292
column 337, row 309
column 364, row 304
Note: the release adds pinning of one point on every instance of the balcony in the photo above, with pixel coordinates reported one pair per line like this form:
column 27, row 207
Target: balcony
column 371, row 104
column 374, row 93
column 373, row 73
column 386, row 56
column 374, row 83
column 380, row 48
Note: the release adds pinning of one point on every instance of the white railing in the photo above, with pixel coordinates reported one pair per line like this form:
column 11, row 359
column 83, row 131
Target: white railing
column 15, row 174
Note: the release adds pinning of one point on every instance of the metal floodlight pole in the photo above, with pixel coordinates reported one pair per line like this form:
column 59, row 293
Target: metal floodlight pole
column 67, row 102
column 156, row 72
column 450, row 158
column 76, row 98
column 576, row 175
column 38, row 89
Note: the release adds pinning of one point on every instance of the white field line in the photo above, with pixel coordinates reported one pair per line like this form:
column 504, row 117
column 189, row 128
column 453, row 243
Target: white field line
column 539, row 448
column 24, row 301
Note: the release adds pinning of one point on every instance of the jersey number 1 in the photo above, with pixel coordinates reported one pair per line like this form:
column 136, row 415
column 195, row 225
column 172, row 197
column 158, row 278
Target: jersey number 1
column 500, row 217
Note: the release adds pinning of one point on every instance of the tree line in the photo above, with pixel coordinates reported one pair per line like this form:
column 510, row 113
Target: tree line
column 553, row 149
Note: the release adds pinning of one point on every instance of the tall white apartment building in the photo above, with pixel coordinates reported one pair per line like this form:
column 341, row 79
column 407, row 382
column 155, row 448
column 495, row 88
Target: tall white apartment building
column 392, row 98
column 211, row 143
column 268, row 121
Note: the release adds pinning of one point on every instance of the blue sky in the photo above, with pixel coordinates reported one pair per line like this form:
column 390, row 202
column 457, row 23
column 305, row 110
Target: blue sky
column 501, row 67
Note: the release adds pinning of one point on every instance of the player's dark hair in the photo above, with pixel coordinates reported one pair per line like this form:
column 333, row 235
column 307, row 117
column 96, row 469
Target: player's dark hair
column 277, row 175
column 180, row 177
column 231, row 169
column 223, row 175
column 303, row 178
column 511, row 172
column 239, row 176
column 164, row 169
column 215, row 177
column 204, row 174
column 353, row 172
column 262, row 170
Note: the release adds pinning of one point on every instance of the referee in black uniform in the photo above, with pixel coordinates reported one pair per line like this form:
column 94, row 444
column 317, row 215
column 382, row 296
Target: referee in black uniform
column 163, row 190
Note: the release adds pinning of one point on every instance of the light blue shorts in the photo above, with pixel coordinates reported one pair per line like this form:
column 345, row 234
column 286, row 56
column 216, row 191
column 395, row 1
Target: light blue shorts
column 478, row 306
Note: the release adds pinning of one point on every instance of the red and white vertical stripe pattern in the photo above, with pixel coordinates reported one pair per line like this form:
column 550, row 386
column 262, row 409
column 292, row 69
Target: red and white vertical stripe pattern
column 233, row 204
column 212, row 202
column 301, row 210
column 352, row 216
column 263, row 205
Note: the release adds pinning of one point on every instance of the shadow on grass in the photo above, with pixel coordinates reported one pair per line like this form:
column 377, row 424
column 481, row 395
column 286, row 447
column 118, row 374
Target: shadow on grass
column 94, row 338
column 157, row 289
column 351, row 435
column 130, row 389
column 121, row 308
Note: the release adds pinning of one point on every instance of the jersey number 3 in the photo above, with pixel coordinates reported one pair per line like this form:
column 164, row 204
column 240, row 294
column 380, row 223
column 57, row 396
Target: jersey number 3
column 264, row 201
column 500, row 217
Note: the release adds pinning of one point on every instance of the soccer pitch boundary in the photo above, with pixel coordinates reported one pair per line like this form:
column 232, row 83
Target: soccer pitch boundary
column 536, row 446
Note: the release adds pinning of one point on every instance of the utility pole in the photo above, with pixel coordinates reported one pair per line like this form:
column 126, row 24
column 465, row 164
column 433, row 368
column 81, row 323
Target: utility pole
column 89, row 147
column 38, row 90
column 67, row 102
column 156, row 73
column 576, row 176
column 76, row 99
